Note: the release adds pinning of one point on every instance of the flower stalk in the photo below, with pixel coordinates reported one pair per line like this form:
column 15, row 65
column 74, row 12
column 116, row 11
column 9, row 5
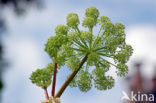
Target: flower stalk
column 71, row 76
column 54, row 80
column 46, row 93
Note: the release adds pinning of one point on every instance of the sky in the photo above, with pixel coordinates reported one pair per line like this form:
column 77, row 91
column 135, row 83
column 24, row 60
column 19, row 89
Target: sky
column 24, row 46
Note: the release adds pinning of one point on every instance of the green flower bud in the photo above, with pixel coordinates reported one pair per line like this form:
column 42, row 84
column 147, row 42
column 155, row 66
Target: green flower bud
column 89, row 22
column 92, row 12
column 54, row 43
column 73, row 20
column 41, row 77
column 103, row 19
column 124, row 54
column 73, row 63
column 109, row 28
column 122, row 69
column 84, row 81
column 61, row 30
column 66, row 50
column 105, row 65
column 129, row 49
column 50, row 68
column 93, row 58
column 60, row 60
column 72, row 35
column 119, row 26
column 87, row 36
column 102, row 82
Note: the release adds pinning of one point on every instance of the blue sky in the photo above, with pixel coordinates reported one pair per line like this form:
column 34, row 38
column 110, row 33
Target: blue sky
column 26, row 36
column 127, row 11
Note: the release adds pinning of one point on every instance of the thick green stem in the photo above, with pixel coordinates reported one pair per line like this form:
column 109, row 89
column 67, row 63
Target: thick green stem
column 71, row 76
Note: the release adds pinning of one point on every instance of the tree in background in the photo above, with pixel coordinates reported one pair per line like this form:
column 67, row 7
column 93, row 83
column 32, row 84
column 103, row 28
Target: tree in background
column 88, row 54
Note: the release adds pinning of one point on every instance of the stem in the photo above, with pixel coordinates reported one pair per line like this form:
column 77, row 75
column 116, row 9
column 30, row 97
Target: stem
column 71, row 76
column 54, row 80
column 46, row 93
column 99, row 31
column 80, row 37
column 110, row 63
column 97, row 38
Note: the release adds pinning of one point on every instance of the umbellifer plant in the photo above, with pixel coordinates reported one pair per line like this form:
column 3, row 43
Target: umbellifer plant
column 88, row 54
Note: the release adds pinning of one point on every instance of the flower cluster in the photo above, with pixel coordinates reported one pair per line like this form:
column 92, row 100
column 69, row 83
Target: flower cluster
column 42, row 77
column 103, row 49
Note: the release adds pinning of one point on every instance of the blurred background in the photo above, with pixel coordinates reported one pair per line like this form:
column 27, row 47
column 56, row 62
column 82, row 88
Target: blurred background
column 25, row 25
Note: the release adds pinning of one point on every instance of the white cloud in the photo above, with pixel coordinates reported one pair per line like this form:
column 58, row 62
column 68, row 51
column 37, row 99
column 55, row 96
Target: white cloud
column 142, row 38
column 25, row 55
